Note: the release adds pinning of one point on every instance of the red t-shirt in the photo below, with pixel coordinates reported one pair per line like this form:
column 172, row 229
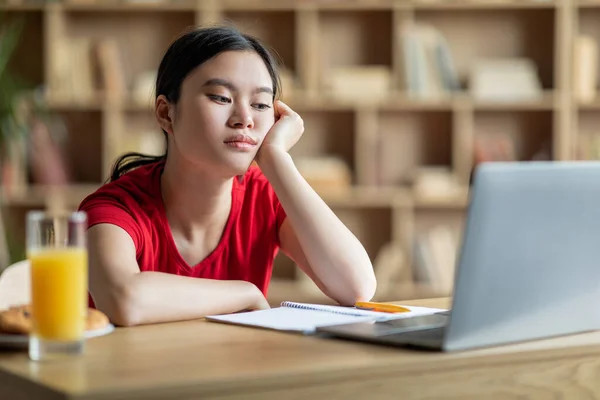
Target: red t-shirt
column 248, row 244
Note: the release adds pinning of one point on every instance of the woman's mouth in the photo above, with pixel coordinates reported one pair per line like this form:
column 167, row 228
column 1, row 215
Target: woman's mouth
column 240, row 145
column 241, row 142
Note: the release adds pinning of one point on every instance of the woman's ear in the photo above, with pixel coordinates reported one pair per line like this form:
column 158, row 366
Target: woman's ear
column 164, row 114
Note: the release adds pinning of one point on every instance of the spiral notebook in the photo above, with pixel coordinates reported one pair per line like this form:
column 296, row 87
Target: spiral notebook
column 305, row 318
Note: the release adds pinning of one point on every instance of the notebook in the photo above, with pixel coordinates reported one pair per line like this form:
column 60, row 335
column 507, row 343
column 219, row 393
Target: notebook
column 305, row 318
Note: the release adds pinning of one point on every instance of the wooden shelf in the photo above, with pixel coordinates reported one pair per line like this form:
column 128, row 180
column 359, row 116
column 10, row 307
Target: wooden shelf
column 588, row 4
column 123, row 6
column 259, row 5
column 369, row 197
column 592, row 105
column 102, row 5
column 546, row 102
column 385, row 137
column 21, row 7
column 36, row 195
column 458, row 202
column 482, row 5
column 395, row 102
column 274, row 26
column 92, row 104
column 355, row 196
column 262, row 5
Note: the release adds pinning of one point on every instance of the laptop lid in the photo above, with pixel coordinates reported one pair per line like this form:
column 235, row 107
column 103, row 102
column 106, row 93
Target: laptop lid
column 529, row 265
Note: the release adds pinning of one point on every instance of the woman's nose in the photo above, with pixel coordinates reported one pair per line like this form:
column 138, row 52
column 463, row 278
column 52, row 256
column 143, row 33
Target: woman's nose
column 241, row 118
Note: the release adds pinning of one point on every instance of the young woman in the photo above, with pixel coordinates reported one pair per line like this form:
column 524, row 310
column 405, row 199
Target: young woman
column 195, row 232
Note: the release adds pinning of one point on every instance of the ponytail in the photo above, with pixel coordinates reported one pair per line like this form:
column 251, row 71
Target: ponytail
column 130, row 161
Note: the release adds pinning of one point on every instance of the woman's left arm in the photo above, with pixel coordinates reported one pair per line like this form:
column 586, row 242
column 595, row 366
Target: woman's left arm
column 312, row 235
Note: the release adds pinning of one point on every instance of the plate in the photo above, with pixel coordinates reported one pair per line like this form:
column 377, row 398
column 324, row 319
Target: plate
column 9, row 341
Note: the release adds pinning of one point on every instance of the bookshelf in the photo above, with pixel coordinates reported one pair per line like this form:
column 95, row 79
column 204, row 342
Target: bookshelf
column 408, row 151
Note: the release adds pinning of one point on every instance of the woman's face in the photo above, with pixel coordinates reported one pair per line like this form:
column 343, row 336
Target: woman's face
column 224, row 112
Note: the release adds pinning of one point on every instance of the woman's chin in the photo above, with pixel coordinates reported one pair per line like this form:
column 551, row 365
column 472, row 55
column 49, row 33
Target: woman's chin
column 240, row 165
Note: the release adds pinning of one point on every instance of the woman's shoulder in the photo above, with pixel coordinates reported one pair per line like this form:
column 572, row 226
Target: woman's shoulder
column 135, row 187
column 128, row 202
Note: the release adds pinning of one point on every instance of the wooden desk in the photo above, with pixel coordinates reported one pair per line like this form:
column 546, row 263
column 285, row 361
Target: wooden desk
column 199, row 359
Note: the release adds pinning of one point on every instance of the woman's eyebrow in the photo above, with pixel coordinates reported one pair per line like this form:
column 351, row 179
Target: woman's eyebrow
column 220, row 82
column 232, row 87
column 264, row 89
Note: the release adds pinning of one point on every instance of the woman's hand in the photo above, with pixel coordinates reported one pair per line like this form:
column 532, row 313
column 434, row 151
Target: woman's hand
column 284, row 134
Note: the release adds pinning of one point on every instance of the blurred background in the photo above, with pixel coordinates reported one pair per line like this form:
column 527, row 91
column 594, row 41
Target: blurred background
column 401, row 100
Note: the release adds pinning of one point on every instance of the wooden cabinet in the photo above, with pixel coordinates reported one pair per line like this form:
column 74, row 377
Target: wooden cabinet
column 410, row 153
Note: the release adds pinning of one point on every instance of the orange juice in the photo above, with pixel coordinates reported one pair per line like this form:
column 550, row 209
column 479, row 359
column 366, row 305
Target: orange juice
column 59, row 292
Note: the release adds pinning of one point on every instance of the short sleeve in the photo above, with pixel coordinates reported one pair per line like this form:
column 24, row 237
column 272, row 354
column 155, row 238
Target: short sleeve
column 104, row 208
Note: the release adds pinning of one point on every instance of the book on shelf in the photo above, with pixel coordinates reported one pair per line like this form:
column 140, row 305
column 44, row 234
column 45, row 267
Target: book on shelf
column 389, row 265
column 436, row 183
column 429, row 68
column 14, row 167
column 83, row 68
column 325, row 173
column 143, row 89
column 37, row 156
column 435, row 256
column 585, row 68
column 499, row 147
column 502, row 147
column 505, row 80
column 359, row 82
column 47, row 160
column 289, row 86
column 150, row 142
column 110, row 63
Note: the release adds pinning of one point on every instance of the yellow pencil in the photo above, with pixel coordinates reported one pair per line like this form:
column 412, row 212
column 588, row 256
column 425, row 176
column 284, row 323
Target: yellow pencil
column 381, row 307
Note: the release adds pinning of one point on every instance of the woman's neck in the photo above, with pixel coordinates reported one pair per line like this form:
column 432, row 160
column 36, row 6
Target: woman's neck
column 193, row 197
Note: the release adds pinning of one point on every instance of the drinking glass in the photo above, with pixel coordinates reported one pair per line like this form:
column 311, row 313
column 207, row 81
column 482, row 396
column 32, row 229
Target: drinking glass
column 57, row 252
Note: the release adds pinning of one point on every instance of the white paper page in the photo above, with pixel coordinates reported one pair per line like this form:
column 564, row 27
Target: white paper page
column 414, row 311
column 288, row 319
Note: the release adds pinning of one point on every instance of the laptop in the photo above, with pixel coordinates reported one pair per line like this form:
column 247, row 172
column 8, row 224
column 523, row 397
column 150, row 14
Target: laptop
column 528, row 267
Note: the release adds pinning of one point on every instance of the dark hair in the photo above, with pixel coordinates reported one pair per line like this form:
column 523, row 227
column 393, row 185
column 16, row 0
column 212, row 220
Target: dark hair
column 188, row 51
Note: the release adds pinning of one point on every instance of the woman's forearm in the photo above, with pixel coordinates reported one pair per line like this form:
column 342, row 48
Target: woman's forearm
column 335, row 255
column 152, row 297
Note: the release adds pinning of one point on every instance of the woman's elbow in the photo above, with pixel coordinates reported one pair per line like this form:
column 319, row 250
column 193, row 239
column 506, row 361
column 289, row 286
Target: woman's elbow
column 368, row 290
column 361, row 290
column 125, row 316
column 366, row 285
column 365, row 290
column 121, row 308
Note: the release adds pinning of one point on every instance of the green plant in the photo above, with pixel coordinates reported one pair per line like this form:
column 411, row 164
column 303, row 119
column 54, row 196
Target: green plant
column 12, row 86
column 13, row 120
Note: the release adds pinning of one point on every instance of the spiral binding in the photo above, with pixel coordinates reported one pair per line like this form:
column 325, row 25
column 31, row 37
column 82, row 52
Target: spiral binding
column 291, row 304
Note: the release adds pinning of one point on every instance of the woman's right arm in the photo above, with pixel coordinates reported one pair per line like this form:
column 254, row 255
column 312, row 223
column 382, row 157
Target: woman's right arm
column 130, row 297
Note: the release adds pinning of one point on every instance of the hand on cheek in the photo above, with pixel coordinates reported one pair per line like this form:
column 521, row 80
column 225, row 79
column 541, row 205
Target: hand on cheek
column 285, row 132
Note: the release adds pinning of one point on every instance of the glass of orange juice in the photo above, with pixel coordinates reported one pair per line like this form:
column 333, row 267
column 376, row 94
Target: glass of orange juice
column 57, row 252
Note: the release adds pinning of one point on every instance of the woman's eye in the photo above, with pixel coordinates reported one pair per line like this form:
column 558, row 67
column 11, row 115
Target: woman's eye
column 220, row 99
column 262, row 107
